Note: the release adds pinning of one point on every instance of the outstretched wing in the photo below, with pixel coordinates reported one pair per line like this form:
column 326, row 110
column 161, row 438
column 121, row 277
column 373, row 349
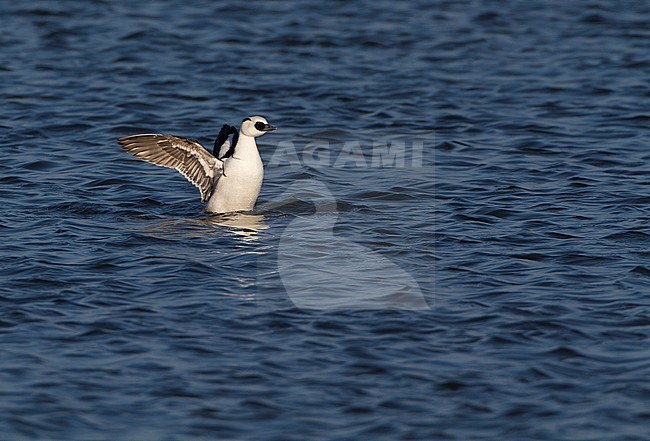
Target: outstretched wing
column 185, row 155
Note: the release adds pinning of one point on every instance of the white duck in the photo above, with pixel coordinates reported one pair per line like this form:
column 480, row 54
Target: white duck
column 229, row 178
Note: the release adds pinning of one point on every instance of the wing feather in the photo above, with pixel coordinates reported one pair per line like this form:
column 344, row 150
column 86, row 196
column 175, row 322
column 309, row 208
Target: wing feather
column 187, row 156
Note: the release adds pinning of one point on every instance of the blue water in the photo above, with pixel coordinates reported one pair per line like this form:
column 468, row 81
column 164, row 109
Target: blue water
column 493, row 285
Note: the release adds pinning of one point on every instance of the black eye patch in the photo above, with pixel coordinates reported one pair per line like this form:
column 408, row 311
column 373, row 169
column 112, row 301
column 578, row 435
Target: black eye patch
column 260, row 125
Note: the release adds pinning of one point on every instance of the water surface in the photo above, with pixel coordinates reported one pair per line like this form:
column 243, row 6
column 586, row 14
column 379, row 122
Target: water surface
column 510, row 262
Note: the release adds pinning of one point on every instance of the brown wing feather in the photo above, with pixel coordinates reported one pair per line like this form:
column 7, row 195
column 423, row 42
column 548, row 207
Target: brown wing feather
column 187, row 156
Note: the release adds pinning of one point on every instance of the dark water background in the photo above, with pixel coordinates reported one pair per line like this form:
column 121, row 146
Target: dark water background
column 126, row 313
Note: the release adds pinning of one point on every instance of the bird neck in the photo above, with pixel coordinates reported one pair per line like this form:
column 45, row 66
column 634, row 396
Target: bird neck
column 246, row 147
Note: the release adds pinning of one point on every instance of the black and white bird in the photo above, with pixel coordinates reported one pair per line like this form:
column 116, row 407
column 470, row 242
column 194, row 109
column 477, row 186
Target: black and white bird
column 229, row 178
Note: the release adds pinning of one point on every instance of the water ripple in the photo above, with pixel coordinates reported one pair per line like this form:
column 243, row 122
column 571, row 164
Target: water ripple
column 127, row 313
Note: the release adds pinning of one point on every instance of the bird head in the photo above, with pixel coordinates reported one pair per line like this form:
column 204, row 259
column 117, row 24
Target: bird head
column 255, row 126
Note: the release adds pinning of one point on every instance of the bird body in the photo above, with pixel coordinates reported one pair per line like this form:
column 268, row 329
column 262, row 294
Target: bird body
column 241, row 180
column 230, row 178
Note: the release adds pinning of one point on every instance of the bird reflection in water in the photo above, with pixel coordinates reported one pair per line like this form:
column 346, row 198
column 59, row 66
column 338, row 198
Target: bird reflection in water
column 246, row 227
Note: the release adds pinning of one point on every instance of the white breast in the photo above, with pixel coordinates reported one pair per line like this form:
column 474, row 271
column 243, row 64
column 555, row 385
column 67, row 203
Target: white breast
column 238, row 188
